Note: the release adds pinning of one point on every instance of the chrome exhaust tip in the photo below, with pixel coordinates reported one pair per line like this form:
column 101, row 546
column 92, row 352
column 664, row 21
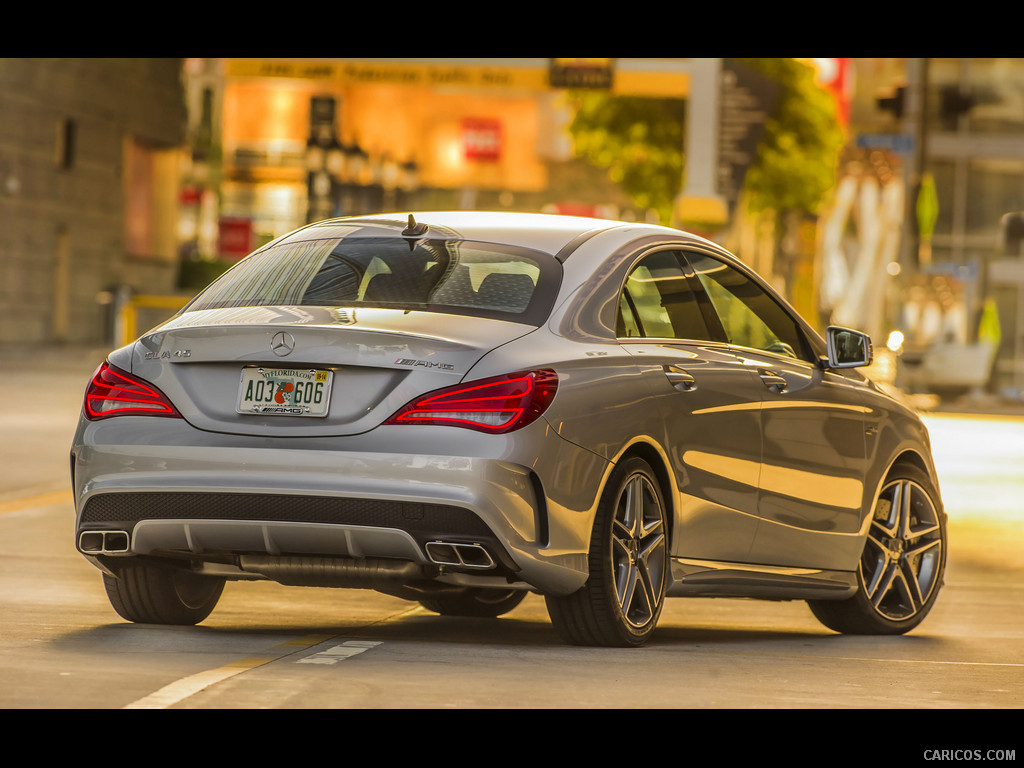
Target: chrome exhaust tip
column 459, row 555
column 104, row 542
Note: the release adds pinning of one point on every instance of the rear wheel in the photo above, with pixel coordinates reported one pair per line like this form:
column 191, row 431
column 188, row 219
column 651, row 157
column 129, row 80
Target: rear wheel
column 476, row 602
column 147, row 594
column 902, row 566
column 628, row 561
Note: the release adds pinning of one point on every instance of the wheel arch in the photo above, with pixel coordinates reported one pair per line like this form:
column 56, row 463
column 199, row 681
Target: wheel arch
column 658, row 461
column 912, row 458
column 908, row 457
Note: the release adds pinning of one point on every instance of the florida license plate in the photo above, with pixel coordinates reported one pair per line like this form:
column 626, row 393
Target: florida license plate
column 284, row 391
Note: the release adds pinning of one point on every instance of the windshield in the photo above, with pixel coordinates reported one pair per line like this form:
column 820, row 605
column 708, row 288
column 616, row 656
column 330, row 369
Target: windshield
column 452, row 276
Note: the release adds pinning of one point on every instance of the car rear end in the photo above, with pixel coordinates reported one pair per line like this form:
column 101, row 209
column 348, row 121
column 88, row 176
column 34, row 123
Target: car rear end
column 313, row 418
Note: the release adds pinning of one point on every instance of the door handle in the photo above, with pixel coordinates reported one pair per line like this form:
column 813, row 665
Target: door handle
column 680, row 379
column 773, row 381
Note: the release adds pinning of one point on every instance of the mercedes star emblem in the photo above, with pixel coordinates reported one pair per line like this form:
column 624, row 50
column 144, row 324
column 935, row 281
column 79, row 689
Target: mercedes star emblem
column 282, row 344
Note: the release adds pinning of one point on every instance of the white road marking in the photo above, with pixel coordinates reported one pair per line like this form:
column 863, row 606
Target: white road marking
column 181, row 689
column 339, row 652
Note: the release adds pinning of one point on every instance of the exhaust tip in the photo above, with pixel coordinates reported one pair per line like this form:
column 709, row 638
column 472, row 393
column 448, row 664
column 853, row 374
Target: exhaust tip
column 459, row 555
column 104, row 542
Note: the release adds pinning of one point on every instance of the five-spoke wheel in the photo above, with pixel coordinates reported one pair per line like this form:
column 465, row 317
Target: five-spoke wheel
column 637, row 551
column 903, row 561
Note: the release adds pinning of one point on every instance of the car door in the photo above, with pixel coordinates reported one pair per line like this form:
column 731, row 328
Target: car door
column 710, row 407
column 811, row 488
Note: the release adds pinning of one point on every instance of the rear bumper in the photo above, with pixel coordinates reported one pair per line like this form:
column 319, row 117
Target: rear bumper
column 526, row 499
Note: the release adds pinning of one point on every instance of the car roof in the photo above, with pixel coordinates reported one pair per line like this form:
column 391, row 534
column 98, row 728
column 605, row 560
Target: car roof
column 555, row 234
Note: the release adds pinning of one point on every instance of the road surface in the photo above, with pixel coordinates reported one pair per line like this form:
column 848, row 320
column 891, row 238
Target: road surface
column 268, row 646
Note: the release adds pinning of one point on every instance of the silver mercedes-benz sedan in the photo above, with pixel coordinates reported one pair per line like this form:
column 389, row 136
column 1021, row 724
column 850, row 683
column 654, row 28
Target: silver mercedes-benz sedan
column 460, row 408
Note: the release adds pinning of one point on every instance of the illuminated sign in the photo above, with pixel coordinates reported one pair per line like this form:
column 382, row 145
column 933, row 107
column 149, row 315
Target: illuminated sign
column 353, row 72
column 235, row 237
column 582, row 73
column 669, row 81
column 481, row 138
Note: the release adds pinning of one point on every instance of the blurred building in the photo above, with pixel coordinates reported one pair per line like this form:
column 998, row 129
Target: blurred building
column 90, row 151
column 950, row 132
column 119, row 172
column 280, row 142
column 123, row 180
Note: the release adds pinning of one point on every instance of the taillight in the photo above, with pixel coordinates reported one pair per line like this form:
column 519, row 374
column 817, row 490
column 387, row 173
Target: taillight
column 113, row 392
column 497, row 405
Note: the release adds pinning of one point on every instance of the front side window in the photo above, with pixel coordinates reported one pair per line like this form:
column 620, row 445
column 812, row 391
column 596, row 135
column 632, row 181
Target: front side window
column 456, row 277
column 750, row 317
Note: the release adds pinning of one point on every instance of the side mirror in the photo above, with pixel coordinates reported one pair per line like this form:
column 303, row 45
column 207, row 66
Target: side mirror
column 848, row 348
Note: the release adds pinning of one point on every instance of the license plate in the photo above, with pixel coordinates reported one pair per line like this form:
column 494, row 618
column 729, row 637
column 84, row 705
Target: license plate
column 284, row 391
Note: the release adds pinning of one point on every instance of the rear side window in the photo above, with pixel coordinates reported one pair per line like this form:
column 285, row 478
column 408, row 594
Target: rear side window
column 658, row 302
column 453, row 276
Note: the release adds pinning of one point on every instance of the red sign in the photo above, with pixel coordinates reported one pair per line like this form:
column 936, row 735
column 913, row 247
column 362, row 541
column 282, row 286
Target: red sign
column 191, row 196
column 481, row 138
column 236, row 237
column 836, row 77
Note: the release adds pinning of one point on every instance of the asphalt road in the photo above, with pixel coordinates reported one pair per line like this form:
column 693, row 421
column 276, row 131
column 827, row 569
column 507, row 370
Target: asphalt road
column 268, row 646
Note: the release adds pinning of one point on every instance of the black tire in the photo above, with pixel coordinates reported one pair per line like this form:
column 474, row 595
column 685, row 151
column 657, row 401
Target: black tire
column 476, row 602
column 149, row 595
column 903, row 563
column 621, row 602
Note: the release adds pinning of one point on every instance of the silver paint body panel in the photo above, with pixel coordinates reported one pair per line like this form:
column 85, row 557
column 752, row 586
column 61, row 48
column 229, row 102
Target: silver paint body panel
column 759, row 481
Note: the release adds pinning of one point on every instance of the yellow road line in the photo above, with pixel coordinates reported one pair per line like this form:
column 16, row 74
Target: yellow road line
column 31, row 502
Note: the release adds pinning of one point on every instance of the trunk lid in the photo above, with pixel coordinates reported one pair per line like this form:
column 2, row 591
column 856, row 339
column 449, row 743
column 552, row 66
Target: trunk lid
column 376, row 359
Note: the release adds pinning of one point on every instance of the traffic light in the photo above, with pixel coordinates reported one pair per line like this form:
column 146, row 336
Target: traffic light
column 954, row 102
column 892, row 100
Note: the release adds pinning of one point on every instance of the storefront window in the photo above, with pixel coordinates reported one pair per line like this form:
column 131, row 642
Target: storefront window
column 997, row 88
column 996, row 187
column 987, row 93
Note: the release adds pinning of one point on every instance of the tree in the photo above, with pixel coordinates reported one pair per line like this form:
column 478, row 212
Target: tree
column 640, row 141
column 796, row 164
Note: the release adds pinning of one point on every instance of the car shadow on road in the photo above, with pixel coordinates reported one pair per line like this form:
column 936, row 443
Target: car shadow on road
column 509, row 631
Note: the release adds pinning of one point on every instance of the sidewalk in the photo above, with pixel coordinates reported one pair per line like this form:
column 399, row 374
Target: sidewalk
column 982, row 404
column 36, row 434
column 59, row 356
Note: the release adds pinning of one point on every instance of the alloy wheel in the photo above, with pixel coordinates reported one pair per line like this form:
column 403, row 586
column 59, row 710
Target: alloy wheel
column 638, row 551
column 901, row 564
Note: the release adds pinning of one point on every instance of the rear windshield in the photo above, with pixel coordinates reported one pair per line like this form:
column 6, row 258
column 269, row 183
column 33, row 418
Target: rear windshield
column 452, row 276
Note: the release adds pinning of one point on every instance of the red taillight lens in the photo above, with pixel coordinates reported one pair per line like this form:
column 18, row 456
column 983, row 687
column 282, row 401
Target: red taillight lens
column 113, row 392
column 497, row 405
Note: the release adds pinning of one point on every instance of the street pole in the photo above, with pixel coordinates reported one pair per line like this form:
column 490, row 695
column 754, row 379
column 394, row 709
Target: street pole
column 915, row 124
column 700, row 203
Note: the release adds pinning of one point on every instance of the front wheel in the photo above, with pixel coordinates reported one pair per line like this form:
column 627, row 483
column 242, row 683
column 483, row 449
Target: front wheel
column 902, row 565
column 628, row 561
column 146, row 594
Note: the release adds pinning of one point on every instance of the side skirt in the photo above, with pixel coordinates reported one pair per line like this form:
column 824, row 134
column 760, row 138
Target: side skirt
column 704, row 578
